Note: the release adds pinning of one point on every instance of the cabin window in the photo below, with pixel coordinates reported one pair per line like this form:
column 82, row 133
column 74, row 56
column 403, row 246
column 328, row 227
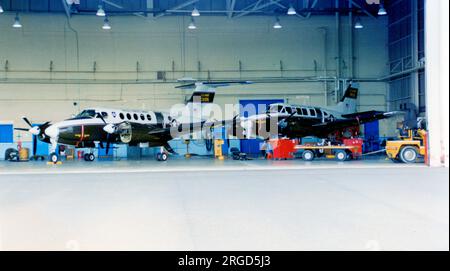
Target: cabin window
column 280, row 109
column 305, row 112
column 299, row 111
column 135, row 116
column 312, row 112
column 289, row 110
column 142, row 117
column 319, row 112
column 128, row 116
column 149, row 118
column 325, row 114
column 104, row 114
column 121, row 116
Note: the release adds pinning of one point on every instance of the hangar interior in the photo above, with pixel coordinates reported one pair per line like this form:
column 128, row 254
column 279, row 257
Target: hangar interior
column 60, row 57
column 62, row 61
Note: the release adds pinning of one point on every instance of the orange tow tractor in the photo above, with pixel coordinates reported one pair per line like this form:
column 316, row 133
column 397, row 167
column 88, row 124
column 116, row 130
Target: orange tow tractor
column 408, row 149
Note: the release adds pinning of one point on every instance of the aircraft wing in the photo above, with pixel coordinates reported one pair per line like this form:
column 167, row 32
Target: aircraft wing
column 356, row 119
column 186, row 128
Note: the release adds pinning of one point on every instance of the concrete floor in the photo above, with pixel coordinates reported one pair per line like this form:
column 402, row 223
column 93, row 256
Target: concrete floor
column 223, row 205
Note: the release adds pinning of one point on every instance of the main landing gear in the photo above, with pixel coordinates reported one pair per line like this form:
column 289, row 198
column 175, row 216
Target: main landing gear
column 162, row 156
column 89, row 157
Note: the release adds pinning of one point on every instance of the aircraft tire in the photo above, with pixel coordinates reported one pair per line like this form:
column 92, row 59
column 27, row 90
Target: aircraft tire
column 90, row 157
column 53, row 157
column 164, row 157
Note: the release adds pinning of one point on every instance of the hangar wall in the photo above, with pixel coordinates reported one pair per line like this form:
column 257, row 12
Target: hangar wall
column 48, row 64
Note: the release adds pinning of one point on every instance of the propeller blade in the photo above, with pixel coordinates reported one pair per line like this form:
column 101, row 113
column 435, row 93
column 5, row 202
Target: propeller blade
column 22, row 129
column 44, row 125
column 27, row 121
column 101, row 117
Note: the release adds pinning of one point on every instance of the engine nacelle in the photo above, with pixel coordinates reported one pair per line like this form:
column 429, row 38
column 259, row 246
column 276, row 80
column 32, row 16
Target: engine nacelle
column 125, row 132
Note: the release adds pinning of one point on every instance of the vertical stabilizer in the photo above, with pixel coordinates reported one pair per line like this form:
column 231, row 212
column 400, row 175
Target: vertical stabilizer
column 347, row 105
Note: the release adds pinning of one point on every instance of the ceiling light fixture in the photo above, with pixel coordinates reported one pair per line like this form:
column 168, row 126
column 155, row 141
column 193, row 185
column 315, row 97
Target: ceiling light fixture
column 291, row 10
column 100, row 12
column 382, row 11
column 277, row 24
column 106, row 25
column 358, row 24
column 195, row 12
column 17, row 23
column 192, row 25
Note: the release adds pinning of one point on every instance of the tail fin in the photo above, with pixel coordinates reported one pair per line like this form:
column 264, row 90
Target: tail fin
column 347, row 105
column 204, row 91
column 203, row 95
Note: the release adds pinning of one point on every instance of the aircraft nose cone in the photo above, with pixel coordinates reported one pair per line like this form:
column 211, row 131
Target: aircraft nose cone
column 35, row 130
column 52, row 131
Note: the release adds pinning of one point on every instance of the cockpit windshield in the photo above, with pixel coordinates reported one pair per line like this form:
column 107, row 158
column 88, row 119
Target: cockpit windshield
column 85, row 114
column 275, row 109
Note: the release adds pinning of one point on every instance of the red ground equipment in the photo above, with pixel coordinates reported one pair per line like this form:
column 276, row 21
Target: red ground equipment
column 357, row 143
column 283, row 148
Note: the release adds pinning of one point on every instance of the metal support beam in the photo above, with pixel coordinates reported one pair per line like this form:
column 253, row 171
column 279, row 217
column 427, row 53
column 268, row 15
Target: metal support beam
column 230, row 7
column 362, row 9
column 180, row 6
column 314, row 4
column 256, row 7
column 415, row 54
column 66, row 8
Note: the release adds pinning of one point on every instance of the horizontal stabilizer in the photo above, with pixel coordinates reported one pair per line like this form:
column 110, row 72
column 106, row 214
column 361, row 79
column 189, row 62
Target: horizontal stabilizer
column 362, row 114
column 214, row 84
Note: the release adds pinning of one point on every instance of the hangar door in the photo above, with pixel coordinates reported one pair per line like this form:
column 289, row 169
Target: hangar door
column 251, row 146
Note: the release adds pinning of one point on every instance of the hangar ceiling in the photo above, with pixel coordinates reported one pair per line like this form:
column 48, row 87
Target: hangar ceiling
column 229, row 8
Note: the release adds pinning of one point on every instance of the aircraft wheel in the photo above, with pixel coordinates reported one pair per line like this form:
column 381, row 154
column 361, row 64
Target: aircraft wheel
column 164, row 157
column 86, row 157
column 90, row 157
column 54, row 157
column 340, row 155
column 308, row 155
column 408, row 154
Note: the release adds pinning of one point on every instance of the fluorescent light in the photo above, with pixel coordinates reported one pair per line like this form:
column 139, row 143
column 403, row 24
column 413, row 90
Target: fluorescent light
column 192, row 24
column 382, row 11
column 1, row 9
column 277, row 24
column 17, row 23
column 106, row 25
column 195, row 12
column 291, row 10
column 358, row 24
column 101, row 12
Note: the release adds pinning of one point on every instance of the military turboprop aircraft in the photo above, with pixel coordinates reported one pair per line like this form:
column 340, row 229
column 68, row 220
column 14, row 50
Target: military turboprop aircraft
column 293, row 121
column 104, row 126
